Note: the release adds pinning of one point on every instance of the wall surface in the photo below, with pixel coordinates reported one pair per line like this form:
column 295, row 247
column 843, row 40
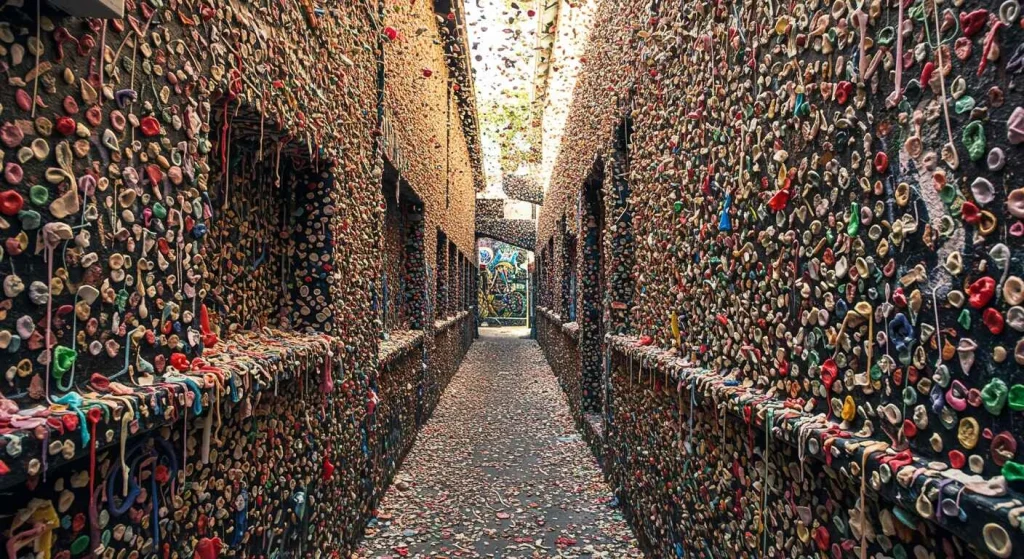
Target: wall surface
column 572, row 31
column 811, row 222
column 192, row 221
column 438, row 166
column 504, row 297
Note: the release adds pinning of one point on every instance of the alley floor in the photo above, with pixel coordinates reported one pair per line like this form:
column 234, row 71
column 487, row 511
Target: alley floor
column 500, row 470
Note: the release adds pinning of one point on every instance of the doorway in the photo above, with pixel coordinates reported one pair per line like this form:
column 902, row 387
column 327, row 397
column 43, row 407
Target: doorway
column 592, row 280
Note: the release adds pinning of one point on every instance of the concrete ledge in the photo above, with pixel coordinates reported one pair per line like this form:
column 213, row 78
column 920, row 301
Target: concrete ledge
column 792, row 425
column 246, row 365
column 106, row 9
column 399, row 344
column 446, row 323
column 570, row 329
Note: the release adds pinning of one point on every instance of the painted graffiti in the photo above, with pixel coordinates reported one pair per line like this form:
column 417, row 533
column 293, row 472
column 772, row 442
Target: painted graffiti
column 504, row 283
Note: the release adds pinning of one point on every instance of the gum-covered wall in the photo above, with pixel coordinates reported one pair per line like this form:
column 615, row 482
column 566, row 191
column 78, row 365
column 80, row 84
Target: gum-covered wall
column 812, row 225
column 192, row 221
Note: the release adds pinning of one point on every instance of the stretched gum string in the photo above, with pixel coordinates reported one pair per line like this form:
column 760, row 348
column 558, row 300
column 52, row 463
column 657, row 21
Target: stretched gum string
column 49, row 314
column 184, row 443
column 899, row 53
column 862, row 27
column 942, row 76
column 216, row 409
column 870, row 341
column 39, row 37
column 46, row 452
column 129, row 414
column 769, row 425
column 103, row 51
column 92, row 470
column 16, row 542
column 867, row 452
column 207, row 432
column 156, row 505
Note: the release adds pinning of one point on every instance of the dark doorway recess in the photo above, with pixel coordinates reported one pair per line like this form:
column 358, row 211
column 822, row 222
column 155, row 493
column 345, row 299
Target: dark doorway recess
column 591, row 281
column 570, row 283
column 620, row 260
column 402, row 288
column 442, row 285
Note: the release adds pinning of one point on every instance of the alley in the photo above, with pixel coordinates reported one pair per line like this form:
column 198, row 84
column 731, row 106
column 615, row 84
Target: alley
column 500, row 470
column 452, row 279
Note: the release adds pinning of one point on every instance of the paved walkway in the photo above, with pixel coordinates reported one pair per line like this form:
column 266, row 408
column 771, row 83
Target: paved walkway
column 500, row 471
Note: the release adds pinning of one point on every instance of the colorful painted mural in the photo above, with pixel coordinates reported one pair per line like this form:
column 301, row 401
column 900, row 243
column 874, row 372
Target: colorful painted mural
column 504, row 283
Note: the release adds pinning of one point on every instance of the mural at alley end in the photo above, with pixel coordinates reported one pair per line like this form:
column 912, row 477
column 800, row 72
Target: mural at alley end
column 504, row 280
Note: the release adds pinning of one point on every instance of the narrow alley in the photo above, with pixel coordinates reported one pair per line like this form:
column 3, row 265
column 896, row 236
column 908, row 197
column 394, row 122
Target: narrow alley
column 499, row 470
column 381, row 279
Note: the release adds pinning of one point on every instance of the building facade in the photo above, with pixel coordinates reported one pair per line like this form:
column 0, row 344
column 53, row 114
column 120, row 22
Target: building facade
column 237, row 268
column 777, row 275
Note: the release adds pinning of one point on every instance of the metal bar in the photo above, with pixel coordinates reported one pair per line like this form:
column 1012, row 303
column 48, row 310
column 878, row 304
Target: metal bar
column 106, row 9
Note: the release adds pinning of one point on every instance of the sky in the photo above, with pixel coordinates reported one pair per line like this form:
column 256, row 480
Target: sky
column 503, row 36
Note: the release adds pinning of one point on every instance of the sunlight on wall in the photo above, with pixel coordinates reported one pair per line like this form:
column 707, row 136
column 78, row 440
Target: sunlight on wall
column 574, row 20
